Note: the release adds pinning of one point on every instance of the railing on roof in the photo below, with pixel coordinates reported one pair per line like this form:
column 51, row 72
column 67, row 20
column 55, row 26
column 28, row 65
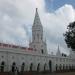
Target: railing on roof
column 3, row 45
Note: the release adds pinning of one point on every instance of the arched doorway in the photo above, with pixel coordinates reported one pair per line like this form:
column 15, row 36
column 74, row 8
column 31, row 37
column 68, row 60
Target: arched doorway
column 63, row 67
column 22, row 67
column 45, row 65
column 13, row 66
column 60, row 67
column 56, row 67
column 2, row 66
column 50, row 66
column 72, row 67
column 38, row 67
column 66, row 67
column 31, row 66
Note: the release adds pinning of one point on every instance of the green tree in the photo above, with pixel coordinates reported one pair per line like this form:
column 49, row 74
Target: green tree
column 70, row 36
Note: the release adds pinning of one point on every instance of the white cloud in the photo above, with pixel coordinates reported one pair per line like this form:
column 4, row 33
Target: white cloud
column 16, row 19
column 55, row 25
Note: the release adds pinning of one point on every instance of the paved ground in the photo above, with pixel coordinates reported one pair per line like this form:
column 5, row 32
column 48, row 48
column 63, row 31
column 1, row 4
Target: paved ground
column 67, row 73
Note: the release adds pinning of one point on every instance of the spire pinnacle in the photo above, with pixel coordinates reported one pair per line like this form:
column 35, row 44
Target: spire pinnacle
column 37, row 18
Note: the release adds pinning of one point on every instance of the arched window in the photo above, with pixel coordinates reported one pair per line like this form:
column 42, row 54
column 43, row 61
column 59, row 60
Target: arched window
column 2, row 66
column 38, row 36
column 42, row 51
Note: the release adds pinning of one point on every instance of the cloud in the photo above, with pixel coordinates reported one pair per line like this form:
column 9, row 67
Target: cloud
column 56, row 24
column 16, row 19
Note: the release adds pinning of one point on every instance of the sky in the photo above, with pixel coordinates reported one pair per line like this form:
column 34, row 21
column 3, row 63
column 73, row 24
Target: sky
column 17, row 16
column 55, row 4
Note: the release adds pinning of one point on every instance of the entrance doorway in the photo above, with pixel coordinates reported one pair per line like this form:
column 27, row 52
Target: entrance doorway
column 50, row 66
column 45, row 65
column 31, row 66
column 38, row 67
column 56, row 67
column 13, row 66
column 22, row 67
column 2, row 66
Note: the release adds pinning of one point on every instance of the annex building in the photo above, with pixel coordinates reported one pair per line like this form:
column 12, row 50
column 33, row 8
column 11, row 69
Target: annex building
column 34, row 58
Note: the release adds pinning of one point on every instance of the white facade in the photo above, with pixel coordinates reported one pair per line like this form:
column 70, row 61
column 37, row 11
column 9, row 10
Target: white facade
column 34, row 58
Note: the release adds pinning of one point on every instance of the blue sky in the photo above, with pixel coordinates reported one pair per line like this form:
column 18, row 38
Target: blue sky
column 17, row 16
column 55, row 4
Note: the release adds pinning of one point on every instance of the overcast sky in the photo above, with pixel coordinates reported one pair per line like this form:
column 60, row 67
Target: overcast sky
column 16, row 20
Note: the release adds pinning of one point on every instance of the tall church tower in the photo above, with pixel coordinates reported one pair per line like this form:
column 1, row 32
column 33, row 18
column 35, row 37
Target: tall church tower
column 37, row 36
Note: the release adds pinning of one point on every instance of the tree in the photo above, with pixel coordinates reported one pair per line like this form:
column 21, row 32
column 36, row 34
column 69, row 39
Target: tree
column 70, row 36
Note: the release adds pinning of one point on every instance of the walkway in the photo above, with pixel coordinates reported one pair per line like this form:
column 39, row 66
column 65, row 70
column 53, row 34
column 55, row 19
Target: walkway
column 67, row 73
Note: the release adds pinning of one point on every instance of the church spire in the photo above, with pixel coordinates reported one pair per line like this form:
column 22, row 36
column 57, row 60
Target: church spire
column 37, row 35
column 58, row 52
column 37, row 29
column 36, row 9
column 37, row 18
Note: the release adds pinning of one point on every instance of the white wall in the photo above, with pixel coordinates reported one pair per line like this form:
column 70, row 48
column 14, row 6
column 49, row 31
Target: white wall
column 19, row 56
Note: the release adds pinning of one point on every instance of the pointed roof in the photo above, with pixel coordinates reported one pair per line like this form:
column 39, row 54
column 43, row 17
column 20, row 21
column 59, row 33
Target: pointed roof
column 37, row 19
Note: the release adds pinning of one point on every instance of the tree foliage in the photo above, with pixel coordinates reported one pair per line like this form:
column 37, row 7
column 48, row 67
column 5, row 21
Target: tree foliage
column 70, row 36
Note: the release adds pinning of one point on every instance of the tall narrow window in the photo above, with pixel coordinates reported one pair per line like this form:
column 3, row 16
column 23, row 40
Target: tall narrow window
column 41, row 37
column 34, row 37
column 38, row 36
column 42, row 51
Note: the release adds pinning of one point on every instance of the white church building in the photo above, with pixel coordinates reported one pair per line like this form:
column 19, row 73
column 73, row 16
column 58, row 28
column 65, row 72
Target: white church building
column 36, row 57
